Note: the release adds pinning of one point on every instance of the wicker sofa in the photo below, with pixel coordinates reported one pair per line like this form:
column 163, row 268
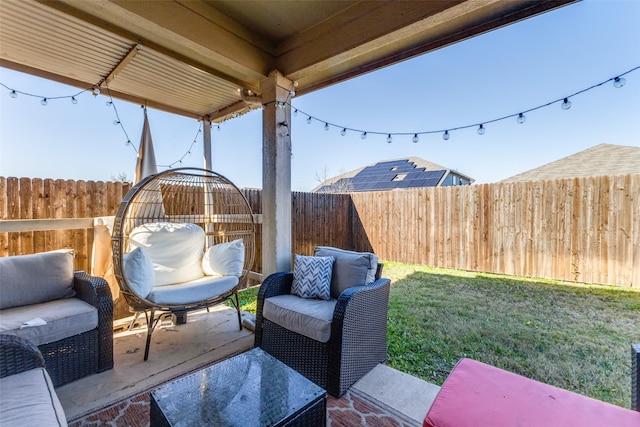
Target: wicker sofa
column 28, row 396
column 357, row 322
column 67, row 314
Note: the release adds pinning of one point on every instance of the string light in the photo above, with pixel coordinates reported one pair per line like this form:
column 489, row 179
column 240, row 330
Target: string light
column 618, row 82
column 188, row 153
column 520, row 117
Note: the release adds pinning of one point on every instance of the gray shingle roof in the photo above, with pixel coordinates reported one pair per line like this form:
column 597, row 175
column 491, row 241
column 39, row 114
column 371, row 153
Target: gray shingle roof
column 602, row 159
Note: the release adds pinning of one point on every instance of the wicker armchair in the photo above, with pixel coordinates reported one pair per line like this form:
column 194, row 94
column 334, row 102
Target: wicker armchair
column 358, row 340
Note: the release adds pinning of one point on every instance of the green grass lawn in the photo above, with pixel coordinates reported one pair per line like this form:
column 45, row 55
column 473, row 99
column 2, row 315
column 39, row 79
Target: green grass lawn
column 569, row 335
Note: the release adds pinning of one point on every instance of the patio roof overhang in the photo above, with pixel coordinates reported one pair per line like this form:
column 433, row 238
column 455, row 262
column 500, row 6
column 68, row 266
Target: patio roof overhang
column 196, row 54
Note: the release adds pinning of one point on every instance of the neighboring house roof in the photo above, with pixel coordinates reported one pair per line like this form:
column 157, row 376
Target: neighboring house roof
column 602, row 159
column 409, row 172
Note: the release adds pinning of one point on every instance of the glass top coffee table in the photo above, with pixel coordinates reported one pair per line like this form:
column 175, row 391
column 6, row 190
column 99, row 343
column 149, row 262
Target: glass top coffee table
column 250, row 389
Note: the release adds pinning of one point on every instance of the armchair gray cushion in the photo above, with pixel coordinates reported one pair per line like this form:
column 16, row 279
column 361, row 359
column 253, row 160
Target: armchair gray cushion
column 349, row 269
column 36, row 278
column 308, row 317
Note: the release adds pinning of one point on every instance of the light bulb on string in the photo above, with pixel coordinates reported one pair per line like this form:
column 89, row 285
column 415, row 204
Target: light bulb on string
column 389, row 139
column 108, row 103
column 116, row 122
column 128, row 142
column 481, row 130
column 96, row 91
column 363, row 135
column 74, row 101
column 13, row 94
column 219, row 128
column 292, row 93
column 295, row 112
column 566, row 104
column 326, row 126
column 618, row 82
column 309, row 120
column 521, row 118
column 44, row 102
column 415, row 138
column 343, row 132
column 445, row 135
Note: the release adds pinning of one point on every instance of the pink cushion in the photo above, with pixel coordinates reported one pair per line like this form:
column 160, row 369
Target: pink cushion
column 476, row 394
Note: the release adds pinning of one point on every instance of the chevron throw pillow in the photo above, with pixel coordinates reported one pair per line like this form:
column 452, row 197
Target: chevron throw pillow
column 312, row 276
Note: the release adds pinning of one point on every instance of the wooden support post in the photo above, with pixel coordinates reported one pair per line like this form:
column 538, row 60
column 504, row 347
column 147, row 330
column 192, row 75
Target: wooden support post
column 206, row 142
column 276, row 174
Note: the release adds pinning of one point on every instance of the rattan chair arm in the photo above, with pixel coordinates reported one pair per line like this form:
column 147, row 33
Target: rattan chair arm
column 276, row 284
column 95, row 291
column 18, row 355
column 361, row 299
column 92, row 290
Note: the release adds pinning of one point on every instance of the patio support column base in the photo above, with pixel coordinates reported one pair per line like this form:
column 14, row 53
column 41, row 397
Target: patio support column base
column 276, row 174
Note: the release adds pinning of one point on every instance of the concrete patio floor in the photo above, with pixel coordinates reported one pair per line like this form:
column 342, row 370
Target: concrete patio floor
column 178, row 350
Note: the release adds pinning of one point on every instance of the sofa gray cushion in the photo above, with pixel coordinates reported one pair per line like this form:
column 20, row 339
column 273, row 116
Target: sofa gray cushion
column 64, row 318
column 36, row 278
column 350, row 268
column 309, row 317
column 29, row 399
column 194, row 291
column 312, row 276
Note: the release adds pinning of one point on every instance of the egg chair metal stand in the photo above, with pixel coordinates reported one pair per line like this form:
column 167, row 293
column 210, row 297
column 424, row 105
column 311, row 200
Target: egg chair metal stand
column 183, row 196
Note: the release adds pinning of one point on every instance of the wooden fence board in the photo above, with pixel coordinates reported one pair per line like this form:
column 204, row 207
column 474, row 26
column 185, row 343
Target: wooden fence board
column 582, row 229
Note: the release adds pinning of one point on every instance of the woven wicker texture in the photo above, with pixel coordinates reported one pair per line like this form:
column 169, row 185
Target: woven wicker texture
column 185, row 195
column 358, row 335
column 18, row 355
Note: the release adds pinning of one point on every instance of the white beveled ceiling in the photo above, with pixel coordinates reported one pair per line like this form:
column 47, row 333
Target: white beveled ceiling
column 191, row 57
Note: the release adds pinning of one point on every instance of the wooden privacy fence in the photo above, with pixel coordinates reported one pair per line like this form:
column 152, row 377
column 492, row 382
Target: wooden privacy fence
column 583, row 229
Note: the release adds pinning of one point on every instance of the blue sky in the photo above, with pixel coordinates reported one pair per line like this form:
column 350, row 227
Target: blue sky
column 503, row 72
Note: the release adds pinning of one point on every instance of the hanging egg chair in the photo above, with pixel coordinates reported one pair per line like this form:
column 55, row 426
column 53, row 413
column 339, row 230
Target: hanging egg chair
column 182, row 240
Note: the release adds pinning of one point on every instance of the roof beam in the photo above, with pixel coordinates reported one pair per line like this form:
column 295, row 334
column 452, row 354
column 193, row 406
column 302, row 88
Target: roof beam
column 120, row 65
